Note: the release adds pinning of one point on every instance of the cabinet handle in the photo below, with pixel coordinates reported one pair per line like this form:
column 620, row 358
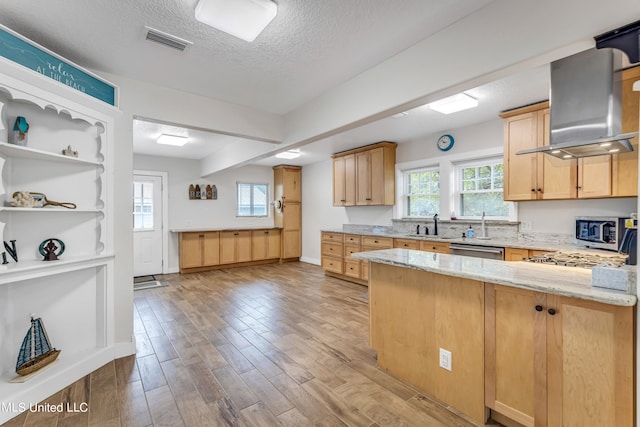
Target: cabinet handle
column 375, row 241
column 236, row 234
column 202, row 235
column 539, row 308
column 368, row 199
column 578, row 187
column 342, row 200
column 266, row 232
column 540, row 190
column 533, row 189
column 552, row 312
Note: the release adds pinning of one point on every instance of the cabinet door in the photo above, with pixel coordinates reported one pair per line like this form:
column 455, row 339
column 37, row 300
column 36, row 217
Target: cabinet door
column 363, row 178
column 515, row 254
column 406, row 244
column 594, row 177
column 228, row 247
column 273, row 244
column 590, row 363
column 291, row 185
column 258, row 245
column 350, row 179
column 190, row 250
column 515, row 355
column 244, row 245
column 339, row 182
column 625, row 166
column 377, row 176
column 210, row 248
column 557, row 178
column 520, row 133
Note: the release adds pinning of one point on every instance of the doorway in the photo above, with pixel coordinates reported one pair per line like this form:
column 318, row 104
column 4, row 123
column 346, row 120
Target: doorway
column 149, row 223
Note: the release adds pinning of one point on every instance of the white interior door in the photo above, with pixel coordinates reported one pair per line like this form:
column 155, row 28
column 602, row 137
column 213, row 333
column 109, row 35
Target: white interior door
column 147, row 225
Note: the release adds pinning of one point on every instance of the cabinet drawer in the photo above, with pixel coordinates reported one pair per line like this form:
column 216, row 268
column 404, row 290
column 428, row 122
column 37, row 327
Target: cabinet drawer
column 351, row 249
column 332, row 249
column 377, row 242
column 332, row 264
column 406, row 243
column 516, row 254
column 332, row 237
column 353, row 239
column 352, row 268
column 439, row 247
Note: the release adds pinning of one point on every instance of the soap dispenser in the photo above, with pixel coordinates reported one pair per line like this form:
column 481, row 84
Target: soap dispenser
column 470, row 232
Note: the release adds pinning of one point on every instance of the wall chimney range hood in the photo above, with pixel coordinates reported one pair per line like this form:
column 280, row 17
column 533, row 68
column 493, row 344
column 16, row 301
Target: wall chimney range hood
column 586, row 106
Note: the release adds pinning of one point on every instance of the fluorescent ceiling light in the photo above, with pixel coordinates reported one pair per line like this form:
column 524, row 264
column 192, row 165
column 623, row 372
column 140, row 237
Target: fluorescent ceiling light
column 291, row 154
column 244, row 19
column 454, row 103
column 178, row 141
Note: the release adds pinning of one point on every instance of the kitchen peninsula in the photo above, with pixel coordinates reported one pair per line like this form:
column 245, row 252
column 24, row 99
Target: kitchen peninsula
column 534, row 343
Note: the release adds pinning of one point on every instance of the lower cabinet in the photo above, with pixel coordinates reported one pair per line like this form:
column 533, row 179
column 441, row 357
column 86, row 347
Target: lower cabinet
column 235, row 246
column 265, row 244
column 518, row 254
column 199, row 249
column 439, row 247
column 558, row 361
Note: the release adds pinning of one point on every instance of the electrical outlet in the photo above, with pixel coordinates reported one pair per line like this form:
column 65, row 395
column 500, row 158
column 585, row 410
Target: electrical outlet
column 445, row 359
column 526, row 225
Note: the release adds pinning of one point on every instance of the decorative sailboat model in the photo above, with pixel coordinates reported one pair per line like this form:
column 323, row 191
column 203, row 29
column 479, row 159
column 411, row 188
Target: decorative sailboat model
column 36, row 351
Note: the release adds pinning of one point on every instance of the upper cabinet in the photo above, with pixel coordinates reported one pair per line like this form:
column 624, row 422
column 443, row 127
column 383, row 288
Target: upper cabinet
column 541, row 177
column 365, row 176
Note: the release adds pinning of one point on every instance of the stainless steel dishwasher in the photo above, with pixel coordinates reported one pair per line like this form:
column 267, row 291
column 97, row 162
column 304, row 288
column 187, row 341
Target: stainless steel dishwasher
column 478, row 251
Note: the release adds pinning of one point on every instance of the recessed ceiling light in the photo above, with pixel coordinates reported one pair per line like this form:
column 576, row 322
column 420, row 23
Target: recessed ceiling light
column 178, row 141
column 453, row 104
column 290, row 154
column 244, row 19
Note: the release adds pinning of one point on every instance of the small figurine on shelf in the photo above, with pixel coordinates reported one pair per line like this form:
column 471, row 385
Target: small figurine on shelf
column 69, row 152
column 20, row 129
column 198, row 194
column 209, row 192
column 214, row 190
column 192, row 192
column 48, row 249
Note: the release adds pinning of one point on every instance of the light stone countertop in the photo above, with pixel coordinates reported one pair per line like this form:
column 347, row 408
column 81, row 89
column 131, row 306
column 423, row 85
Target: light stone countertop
column 566, row 281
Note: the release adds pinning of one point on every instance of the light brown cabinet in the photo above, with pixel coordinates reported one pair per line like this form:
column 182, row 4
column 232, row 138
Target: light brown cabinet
column 235, row 246
column 331, row 252
column 265, row 244
column 365, row 176
column 518, row 254
column 534, row 176
column 287, row 182
column 344, row 190
column 199, row 249
column 558, row 361
column 439, row 247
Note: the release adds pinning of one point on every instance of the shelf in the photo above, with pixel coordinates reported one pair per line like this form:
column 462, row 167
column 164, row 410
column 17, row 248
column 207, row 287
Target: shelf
column 47, row 209
column 31, row 269
column 17, row 151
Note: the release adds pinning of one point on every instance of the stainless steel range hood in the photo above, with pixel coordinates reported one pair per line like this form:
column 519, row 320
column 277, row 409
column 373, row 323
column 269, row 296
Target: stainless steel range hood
column 586, row 106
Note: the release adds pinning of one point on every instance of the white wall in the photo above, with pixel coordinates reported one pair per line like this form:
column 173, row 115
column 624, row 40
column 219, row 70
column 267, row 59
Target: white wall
column 203, row 214
column 318, row 212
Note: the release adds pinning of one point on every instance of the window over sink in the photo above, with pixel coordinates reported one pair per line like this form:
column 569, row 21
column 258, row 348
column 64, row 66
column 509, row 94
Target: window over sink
column 422, row 192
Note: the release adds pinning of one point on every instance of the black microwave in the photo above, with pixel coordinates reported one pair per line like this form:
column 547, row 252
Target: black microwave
column 600, row 232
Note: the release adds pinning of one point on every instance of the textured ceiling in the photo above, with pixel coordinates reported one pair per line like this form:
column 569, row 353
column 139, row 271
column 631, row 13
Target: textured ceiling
column 310, row 47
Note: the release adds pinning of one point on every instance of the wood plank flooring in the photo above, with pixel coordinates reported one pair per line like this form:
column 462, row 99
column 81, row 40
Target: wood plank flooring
column 279, row 344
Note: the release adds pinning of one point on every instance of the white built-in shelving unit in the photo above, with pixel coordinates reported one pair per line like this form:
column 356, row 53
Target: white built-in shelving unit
column 74, row 295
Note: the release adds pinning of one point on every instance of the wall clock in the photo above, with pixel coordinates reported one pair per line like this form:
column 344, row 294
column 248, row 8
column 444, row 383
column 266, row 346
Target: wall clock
column 445, row 143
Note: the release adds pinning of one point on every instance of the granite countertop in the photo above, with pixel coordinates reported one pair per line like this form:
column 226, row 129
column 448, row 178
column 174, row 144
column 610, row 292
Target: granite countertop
column 567, row 281
column 499, row 242
column 201, row 229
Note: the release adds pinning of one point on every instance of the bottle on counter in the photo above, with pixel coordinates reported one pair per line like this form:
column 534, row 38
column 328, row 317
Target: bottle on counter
column 470, row 232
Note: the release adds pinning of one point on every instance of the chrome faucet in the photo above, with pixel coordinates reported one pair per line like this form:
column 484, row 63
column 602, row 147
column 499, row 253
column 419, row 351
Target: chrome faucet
column 483, row 232
column 435, row 225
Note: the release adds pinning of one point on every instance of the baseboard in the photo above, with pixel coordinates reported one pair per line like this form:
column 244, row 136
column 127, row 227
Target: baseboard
column 125, row 348
column 308, row 260
column 172, row 270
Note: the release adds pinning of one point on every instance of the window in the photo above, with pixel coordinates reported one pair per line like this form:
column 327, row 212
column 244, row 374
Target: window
column 422, row 192
column 480, row 187
column 143, row 205
column 252, row 199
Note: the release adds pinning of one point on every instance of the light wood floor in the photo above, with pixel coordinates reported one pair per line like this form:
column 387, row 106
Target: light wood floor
column 255, row 346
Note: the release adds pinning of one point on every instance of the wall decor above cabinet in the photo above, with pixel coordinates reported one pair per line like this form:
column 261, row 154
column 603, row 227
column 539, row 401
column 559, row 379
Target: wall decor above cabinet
column 203, row 192
column 365, row 176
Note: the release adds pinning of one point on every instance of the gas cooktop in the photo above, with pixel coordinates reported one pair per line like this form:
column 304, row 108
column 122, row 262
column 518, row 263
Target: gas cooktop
column 577, row 259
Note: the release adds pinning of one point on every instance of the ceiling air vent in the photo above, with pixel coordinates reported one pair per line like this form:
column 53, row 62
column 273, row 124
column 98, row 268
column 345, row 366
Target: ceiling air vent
column 167, row 39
